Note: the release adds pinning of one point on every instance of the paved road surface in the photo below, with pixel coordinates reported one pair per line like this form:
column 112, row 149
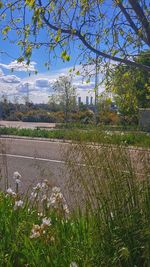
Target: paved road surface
column 31, row 125
column 37, row 160
column 34, row 160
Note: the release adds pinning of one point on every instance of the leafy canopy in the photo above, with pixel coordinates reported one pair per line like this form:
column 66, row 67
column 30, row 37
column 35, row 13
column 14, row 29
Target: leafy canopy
column 131, row 89
column 111, row 29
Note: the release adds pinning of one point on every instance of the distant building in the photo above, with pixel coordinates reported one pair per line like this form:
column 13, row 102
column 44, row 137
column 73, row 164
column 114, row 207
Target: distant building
column 144, row 119
column 87, row 100
column 79, row 100
column 1, row 111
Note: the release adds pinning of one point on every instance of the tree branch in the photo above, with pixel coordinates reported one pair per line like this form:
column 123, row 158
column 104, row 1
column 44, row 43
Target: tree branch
column 132, row 24
column 139, row 12
column 94, row 50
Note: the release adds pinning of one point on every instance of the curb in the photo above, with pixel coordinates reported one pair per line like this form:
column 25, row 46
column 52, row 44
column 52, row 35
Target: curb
column 63, row 141
column 35, row 138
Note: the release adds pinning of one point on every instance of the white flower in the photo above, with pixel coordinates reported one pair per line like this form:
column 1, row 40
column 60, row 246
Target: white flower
column 37, row 187
column 46, row 221
column 56, row 189
column 44, row 197
column 17, row 181
column 73, row 264
column 40, row 214
column 52, row 200
column 66, row 209
column 44, row 185
column 35, row 232
column 18, row 204
column 112, row 215
column 33, row 195
column 10, row 192
column 16, row 175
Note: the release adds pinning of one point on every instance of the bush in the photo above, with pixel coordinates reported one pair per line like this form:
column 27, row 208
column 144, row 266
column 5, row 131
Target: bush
column 108, row 118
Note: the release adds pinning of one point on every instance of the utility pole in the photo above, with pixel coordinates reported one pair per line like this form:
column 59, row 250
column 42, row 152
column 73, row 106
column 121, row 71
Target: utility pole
column 27, row 93
column 96, row 90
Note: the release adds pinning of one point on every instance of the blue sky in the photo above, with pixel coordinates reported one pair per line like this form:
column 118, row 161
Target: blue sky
column 14, row 84
column 40, row 86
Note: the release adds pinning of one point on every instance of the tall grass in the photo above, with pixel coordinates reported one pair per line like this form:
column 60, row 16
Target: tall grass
column 108, row 221
column 117, row 194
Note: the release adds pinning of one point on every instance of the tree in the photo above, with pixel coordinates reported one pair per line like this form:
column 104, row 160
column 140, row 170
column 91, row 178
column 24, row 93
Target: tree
column 131, row 88
column 111, row 29
column 65, row 94
column 5, row 106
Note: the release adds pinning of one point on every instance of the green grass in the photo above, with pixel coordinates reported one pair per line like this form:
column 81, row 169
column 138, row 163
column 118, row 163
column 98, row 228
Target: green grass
column 90, row 126
column 111, row 229
column 93, row 135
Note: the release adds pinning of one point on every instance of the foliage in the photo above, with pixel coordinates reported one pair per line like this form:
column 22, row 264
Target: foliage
column 112, row 30
column 111, row 228
column 131, row 87
column 65, row 94
column 100, row 135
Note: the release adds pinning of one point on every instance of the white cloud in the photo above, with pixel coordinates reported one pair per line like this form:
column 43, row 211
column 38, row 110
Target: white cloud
column 1, row 73
column 9, row 79
column 19, row 66
column 42, row 83
column 8, row 84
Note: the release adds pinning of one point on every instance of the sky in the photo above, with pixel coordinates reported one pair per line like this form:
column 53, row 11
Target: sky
column 16, row 78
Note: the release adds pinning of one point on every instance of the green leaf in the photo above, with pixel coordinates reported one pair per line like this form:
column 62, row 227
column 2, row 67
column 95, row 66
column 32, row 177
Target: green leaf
column 67, row 58
column 6, row 30
column 114, row 52
column 57, row 38
column 78, row 72
column 30, row 2
column 64, row 56
column 1, row 4
column 20, row 59
column 28, row 51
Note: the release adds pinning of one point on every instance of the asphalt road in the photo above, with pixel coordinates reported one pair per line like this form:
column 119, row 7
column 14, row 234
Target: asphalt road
column 27, row 125
column 37, row 160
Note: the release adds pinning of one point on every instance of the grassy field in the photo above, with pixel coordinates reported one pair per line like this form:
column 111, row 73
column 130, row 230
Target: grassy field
column 97, row 135
column 111, row 229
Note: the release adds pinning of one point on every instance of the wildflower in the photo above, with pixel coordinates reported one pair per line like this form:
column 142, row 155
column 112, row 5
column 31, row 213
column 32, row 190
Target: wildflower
column 40, row 214
column 108, row 133
column 36, row 231
column 73, row 264
column 52, row 239
column 58, row 201
column 10, row 192
column 18, row 204
column 66, row 209
column 51, row 201
column 37, row 187
column 17, row 177
column 44, row 185
column 46, row 222
column 44, row 197
column 112, row 215
column 33, row 195
column 56, row 189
